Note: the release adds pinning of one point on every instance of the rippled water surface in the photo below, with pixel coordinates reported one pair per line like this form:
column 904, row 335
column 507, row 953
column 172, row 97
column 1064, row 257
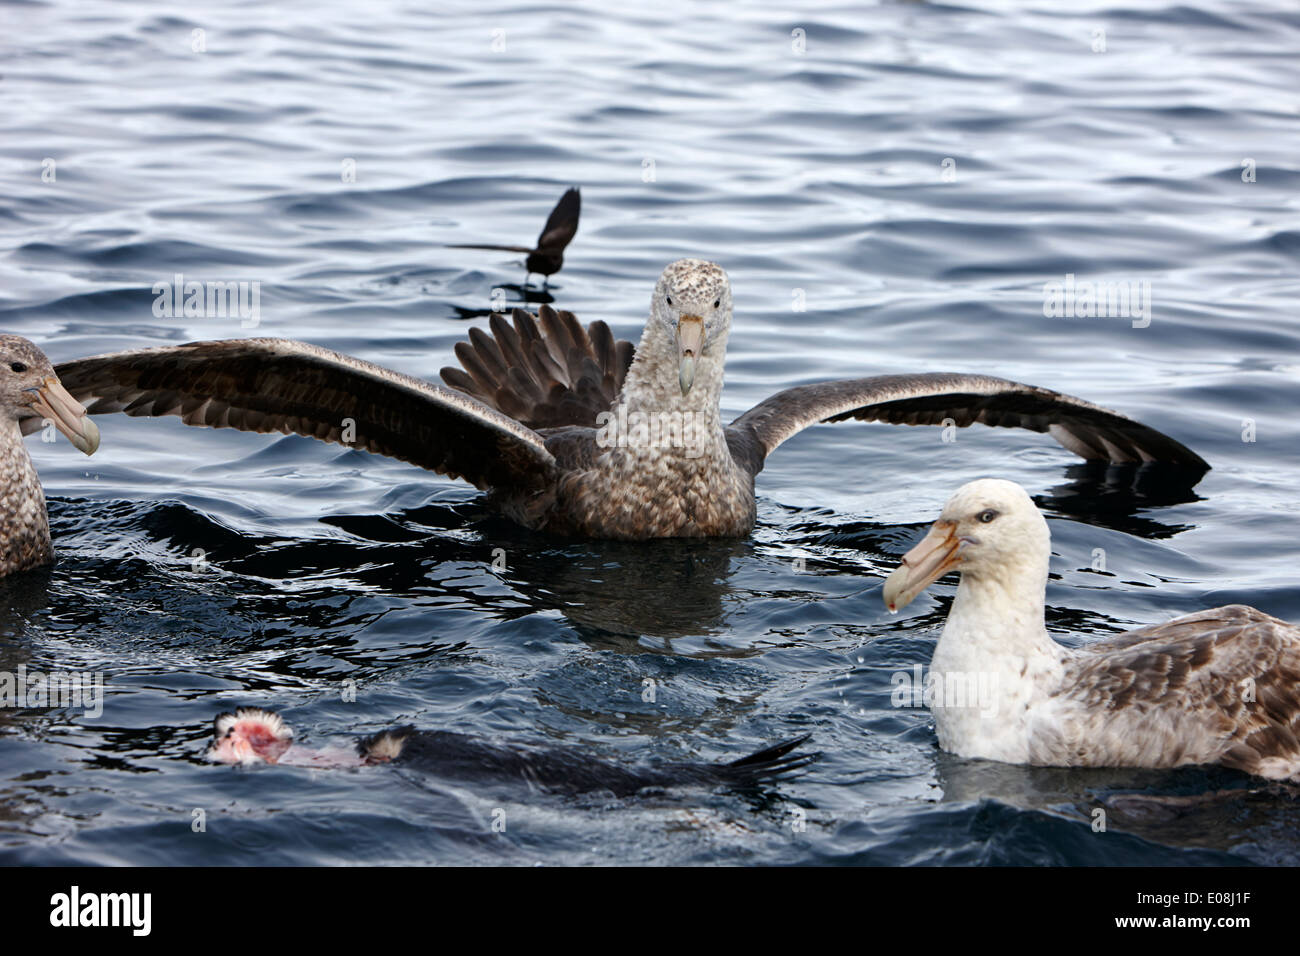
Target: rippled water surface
column 127, row 157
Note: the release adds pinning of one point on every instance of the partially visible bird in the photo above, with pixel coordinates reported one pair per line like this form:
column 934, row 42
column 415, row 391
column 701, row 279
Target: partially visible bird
column 548, row 257
column 253, row 736
column 30, row 396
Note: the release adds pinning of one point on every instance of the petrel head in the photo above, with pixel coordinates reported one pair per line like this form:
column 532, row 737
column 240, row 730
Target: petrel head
column 989, row 528
column 692, row 301
column 29, row 387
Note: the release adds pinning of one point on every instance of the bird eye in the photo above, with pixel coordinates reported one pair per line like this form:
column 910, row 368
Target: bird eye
column 717, row 302
column 18, row 366
column 986, row 516
column 670, row 300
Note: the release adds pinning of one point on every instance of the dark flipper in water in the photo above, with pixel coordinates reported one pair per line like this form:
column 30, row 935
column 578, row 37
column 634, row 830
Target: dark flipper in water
column 569, row 770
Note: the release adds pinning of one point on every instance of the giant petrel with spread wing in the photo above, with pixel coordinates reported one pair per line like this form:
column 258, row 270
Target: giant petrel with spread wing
column 570, row 431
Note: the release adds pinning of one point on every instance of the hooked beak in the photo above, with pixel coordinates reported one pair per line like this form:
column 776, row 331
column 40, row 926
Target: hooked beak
column 930, row 560
column 53, row 403
column 690, row 338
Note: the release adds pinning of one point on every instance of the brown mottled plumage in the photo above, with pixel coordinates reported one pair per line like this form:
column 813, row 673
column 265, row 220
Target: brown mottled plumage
column 30, row 396
column 571, row 431
column 1217, row 687
column 1231, row 675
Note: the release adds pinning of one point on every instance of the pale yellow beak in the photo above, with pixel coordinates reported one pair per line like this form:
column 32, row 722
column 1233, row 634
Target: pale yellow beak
column 930, row 560
column 54, row 404
column 690, row 339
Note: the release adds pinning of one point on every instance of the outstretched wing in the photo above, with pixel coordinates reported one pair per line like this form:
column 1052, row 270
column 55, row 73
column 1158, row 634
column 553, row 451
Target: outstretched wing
column 278, row 385
column 476, row 245
column 544, row 377
column 935, row 398
column 561, row 225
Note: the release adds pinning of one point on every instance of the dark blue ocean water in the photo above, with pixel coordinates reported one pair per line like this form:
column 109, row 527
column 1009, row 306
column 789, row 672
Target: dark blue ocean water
column 126, row 156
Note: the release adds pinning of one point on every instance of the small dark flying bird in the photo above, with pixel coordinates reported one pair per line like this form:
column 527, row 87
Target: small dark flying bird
column 548, row 258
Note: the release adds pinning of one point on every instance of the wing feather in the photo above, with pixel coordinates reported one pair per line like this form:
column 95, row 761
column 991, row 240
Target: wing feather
column 561, row 225
column 1221, row 685
column 546, row 371
column 939, row 398
column 278, row 385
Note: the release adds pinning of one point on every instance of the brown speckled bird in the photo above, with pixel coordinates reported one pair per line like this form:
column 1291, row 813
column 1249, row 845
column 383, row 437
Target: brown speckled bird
column 573, row 432
column 30, row 397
